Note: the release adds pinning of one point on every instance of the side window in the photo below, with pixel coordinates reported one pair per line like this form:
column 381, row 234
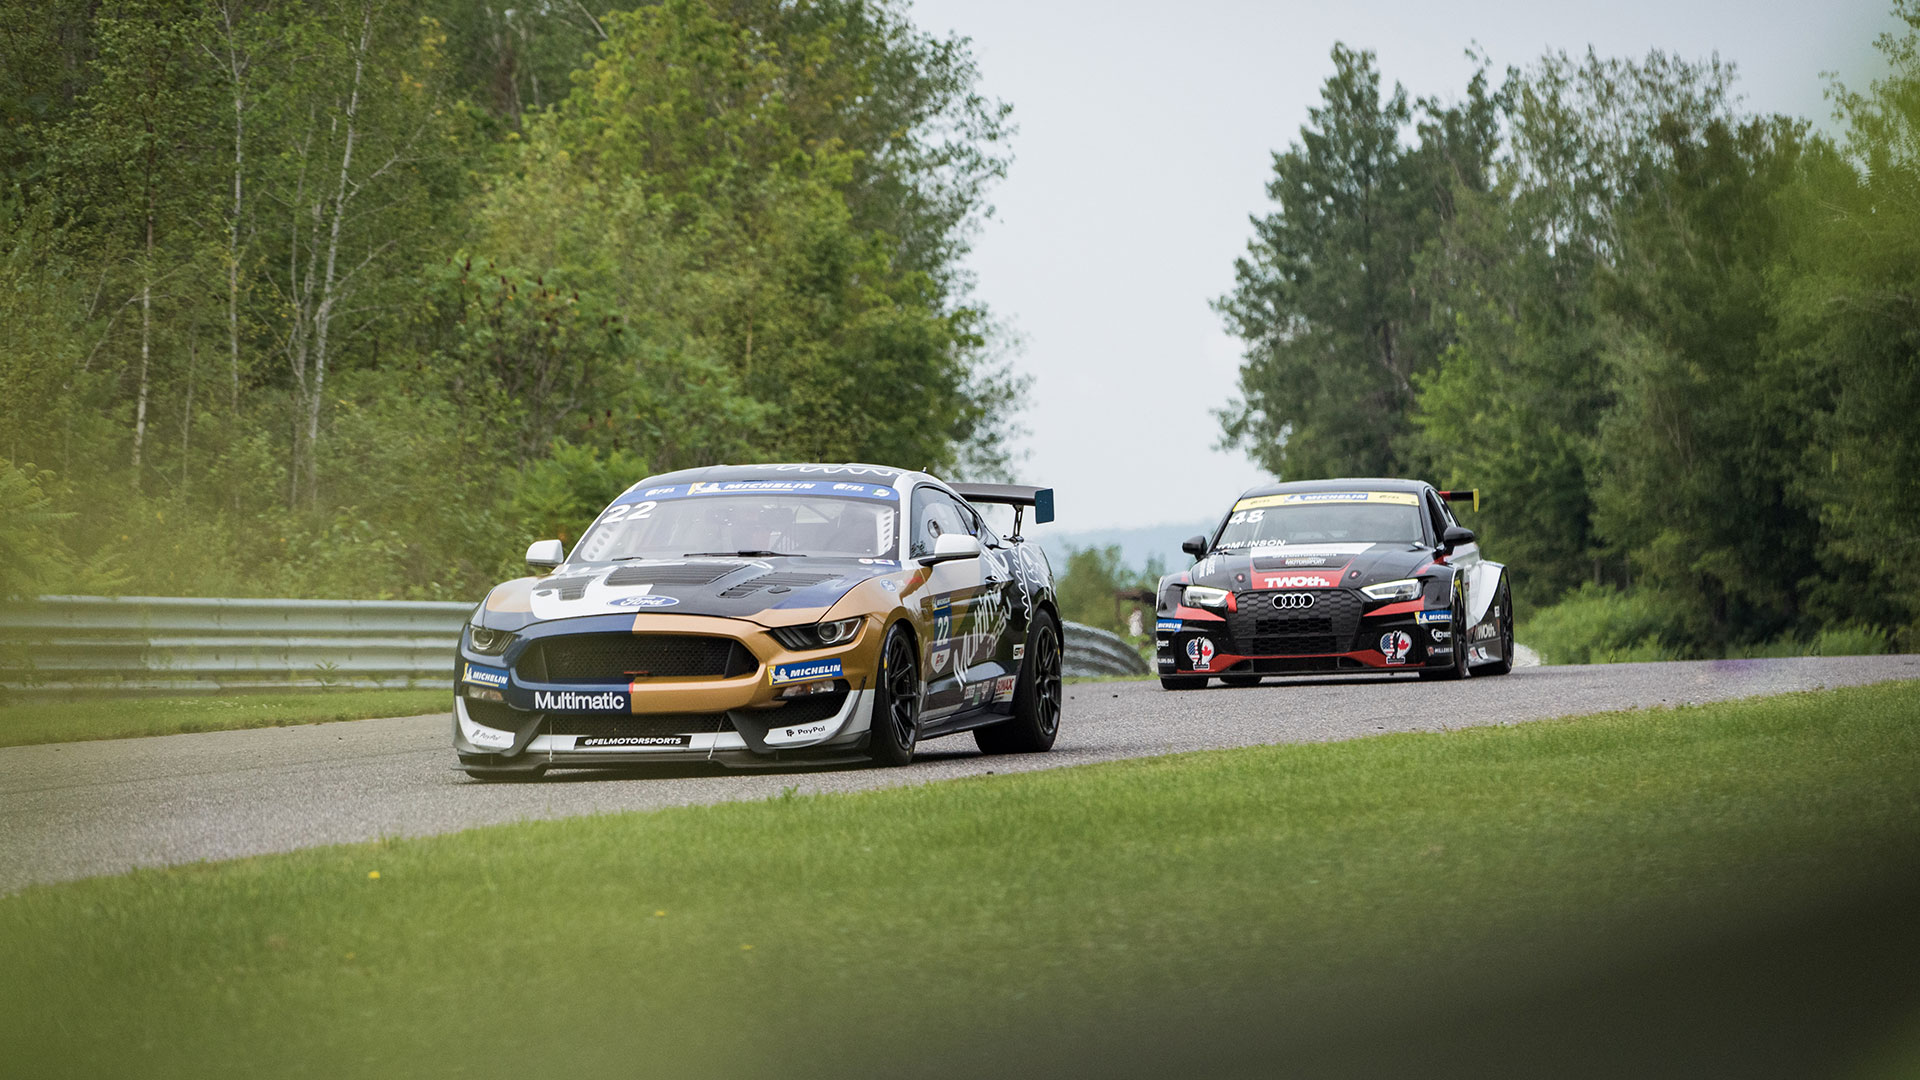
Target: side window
column 1437, row 512
column 935, row 514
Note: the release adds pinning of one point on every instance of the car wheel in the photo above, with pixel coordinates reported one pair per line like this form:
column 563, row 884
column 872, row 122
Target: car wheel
column 1504, row 665
column 1240, row 680
column 1036, row 698
column 1458, row 669
column 1183, row 682
column 896, row 704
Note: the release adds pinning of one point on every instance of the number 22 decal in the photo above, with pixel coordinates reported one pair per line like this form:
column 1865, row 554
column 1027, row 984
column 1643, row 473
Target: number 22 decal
column 635, row 512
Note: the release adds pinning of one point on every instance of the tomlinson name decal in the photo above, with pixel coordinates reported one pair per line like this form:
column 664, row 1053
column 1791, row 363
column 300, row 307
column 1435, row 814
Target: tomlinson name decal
column 816, row 669
column 572, row 701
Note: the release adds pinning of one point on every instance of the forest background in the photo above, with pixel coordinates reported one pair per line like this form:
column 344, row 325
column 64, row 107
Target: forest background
column 352, row 298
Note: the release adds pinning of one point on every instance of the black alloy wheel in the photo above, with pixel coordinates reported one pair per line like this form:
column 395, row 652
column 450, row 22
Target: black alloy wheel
column 1036, row 697
column 896, row 708
column 1504, row 665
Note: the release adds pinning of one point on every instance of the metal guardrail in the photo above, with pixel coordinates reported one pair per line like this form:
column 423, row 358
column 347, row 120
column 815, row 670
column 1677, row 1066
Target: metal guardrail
column 1091, row 651
column 178, row 644
column 152, row 644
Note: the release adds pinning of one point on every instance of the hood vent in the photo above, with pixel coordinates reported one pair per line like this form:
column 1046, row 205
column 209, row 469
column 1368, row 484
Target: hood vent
column 779, row 582
column 571, row 588
column 672, row 574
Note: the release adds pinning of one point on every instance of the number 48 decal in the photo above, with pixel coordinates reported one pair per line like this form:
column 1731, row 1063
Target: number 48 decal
column 1246, row 516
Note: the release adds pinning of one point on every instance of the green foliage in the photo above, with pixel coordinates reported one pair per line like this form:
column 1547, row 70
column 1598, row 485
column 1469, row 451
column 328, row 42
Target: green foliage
column 1672, row 344
column 560, row 495
column 1599, row 625
column 1334, row 327
column 301, row 299
column 30, row 723
column 1088, row 585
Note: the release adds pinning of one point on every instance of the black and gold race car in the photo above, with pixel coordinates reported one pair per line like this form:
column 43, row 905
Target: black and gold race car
column 757, row 614
column 1332, row 576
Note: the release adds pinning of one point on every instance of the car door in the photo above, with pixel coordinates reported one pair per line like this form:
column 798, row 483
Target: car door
column 946, row 605
column 998, row 617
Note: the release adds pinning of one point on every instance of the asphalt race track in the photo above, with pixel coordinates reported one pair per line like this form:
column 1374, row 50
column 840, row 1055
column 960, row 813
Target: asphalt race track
column 80, row 809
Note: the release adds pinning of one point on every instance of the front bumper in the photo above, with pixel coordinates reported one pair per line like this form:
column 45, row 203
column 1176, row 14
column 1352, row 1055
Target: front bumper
column 508, row 718
column 1341, row 631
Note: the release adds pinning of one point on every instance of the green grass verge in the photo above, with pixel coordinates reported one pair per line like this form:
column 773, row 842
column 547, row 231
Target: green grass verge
column 1121, row 919
column 26, row 723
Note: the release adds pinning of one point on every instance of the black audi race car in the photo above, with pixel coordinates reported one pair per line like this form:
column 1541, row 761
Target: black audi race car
column 1331, row 576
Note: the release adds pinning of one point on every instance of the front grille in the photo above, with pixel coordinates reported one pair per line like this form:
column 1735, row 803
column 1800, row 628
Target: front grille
column 642, row 725
column 672, row 574
column 777, row 582
column 608, row 658
column 1329, row 626
column 1287, row 665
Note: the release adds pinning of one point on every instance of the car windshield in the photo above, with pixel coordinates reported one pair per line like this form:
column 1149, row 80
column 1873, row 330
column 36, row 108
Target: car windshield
column 860, row 526
column 1322, row 518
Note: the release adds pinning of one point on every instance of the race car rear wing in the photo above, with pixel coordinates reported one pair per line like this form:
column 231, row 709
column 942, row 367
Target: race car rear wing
column 1470, row 495
column 1018, row 496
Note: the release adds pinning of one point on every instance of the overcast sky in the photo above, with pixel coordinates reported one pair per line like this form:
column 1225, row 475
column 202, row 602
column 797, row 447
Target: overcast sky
column 1145, row 140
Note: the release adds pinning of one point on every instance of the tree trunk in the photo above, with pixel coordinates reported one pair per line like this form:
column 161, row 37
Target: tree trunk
column 323, row 314
column 233, row 236
column 146, row 349
column 186, row 420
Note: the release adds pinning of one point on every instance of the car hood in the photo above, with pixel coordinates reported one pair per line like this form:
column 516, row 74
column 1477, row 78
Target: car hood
column 773, row 591
column 1307, row 566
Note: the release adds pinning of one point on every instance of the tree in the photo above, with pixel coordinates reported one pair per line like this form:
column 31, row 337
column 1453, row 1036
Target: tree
column 1325, row 300
column 1703, row 440
column 1847, row 297
column 1515, row 404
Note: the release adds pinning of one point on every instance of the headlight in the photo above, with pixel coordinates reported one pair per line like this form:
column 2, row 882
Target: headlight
column 820, row 635
column 1404, row 589
column 1202, row 596
column 488, row 642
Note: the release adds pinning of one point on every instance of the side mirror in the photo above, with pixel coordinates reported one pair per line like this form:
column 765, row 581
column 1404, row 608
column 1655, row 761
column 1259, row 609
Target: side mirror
column 544, row 555
column 1455, row 536
column 953, row 546
column 1195, row 546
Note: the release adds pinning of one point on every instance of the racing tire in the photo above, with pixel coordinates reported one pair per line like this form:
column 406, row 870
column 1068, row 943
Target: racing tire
column 1504, row 665
column 1183, row 682
column 1241, row 680
column 1458, row 669
column 896, row 700
column 1036, row 698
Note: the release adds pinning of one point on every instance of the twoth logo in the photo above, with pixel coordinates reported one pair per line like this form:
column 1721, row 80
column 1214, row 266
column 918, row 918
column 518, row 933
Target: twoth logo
column 1300, row 581
column 573, row 701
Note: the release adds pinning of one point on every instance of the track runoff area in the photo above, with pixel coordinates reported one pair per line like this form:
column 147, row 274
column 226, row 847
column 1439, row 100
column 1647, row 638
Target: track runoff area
column 81, row 809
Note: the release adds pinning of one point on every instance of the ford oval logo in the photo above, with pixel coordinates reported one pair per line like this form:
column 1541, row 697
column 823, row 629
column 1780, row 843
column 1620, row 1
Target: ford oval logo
column 1288, row 600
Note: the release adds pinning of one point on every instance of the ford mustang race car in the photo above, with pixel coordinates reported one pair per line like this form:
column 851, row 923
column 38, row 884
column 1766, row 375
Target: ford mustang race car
column 756, row 614
column 1329, row 576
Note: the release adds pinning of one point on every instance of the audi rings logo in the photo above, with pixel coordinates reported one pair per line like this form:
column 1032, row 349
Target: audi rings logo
column 1288, row 600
